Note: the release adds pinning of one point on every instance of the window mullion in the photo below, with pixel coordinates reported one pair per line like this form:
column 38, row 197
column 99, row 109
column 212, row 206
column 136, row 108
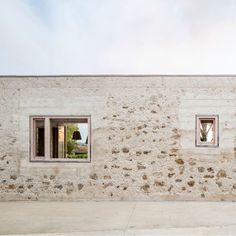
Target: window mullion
column 47, row 138
column 89, row 138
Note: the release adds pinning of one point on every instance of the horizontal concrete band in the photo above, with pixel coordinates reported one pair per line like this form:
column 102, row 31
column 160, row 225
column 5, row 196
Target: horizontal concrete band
column 107, row 81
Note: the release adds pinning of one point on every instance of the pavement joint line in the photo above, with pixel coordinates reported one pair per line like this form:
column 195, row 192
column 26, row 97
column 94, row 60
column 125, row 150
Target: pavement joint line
column 130, row 217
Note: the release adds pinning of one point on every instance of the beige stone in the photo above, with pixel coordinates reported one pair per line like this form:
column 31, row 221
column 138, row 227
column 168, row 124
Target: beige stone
column 143, row 138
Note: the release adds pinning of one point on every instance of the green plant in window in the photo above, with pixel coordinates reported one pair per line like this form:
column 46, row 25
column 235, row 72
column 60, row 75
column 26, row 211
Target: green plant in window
column 71, row 144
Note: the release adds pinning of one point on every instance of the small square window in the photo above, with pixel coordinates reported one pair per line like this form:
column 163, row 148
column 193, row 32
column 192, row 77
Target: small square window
column 207, row 131
column 60, row 139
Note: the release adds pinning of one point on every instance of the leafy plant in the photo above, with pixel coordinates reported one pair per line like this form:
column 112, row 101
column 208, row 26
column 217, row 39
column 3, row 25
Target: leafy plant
column 71, row 144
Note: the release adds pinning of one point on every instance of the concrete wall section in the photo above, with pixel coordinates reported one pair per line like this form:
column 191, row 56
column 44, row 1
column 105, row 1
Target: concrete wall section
column 143, row 138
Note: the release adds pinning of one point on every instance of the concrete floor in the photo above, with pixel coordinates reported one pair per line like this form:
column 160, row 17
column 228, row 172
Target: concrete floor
column 118, row 218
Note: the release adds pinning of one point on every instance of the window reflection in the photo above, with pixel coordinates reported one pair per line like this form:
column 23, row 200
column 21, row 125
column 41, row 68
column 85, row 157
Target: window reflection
column 39, row 138
column 207, row 130
column 69, row 138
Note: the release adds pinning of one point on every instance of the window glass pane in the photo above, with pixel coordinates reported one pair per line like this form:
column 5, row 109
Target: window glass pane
column 207, row 130
column 39, row 137
column 69, row 138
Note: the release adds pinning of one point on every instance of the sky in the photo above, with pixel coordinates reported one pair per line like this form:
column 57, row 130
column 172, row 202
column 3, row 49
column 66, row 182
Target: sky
column 66, row 37
column 83, row 128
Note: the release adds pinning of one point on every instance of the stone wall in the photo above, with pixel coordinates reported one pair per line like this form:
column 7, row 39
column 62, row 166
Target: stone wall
column 143, row 138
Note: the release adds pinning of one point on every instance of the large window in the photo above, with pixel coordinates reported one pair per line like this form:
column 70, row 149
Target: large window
column 207, row 131
column 60, row 139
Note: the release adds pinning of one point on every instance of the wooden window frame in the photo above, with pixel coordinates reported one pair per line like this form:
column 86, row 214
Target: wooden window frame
column 215, row 119
column 47, row 133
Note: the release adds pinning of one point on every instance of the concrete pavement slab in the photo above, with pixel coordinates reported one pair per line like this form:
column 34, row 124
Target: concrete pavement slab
column 117, row 218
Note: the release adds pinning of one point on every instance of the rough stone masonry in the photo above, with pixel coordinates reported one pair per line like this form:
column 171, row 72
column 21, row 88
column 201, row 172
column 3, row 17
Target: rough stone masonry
column 142, row 134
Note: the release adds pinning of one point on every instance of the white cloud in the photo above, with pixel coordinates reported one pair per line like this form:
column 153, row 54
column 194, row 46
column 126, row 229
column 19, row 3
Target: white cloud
column 117, row 37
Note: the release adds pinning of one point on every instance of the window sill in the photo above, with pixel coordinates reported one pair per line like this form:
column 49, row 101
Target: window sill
column 207, row 145
column 61, row 160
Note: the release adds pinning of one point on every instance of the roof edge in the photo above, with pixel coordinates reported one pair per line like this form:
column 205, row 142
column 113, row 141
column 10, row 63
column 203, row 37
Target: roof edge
column 122, row 75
